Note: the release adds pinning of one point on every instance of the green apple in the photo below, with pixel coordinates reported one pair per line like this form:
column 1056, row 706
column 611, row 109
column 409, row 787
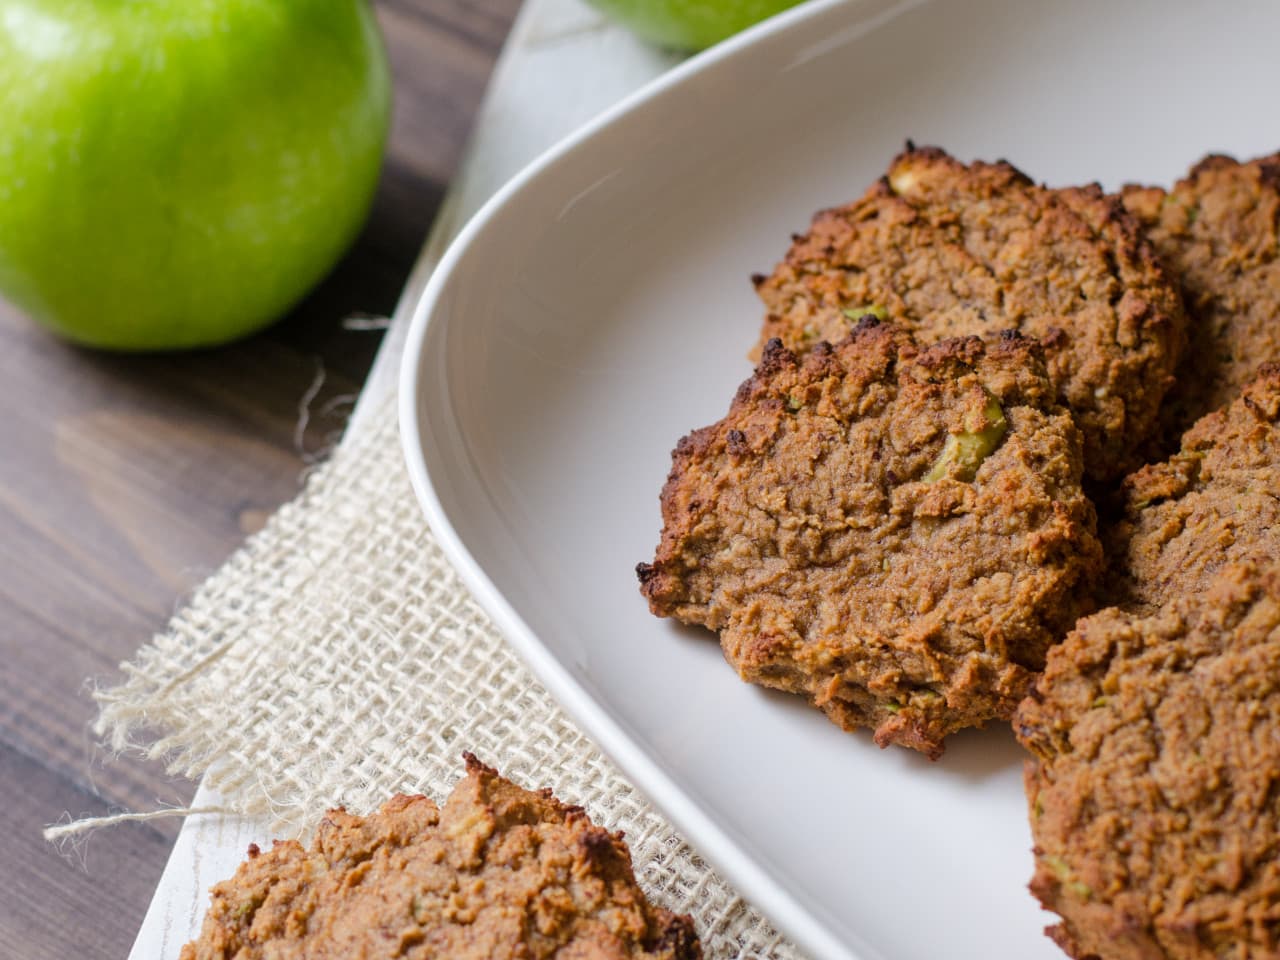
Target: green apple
column 690, row 24
column 178, row 173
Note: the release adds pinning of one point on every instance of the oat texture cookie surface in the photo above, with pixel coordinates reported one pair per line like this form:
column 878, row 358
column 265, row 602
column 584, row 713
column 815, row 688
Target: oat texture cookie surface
column 1218, row 231
column 896, row 534
column 498, row 872
column 1215, row 501
column 949, row 249
column 1153, row 793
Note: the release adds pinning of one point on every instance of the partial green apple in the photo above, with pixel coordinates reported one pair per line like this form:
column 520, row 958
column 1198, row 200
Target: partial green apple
column 690, row 24
column 178, row 173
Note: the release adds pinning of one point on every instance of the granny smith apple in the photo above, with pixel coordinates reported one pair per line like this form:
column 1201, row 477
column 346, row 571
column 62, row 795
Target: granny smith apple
column 690, row 24
column 177, row 173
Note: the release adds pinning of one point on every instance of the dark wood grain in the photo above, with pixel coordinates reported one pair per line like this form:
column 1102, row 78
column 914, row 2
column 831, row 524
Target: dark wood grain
column 124, row 481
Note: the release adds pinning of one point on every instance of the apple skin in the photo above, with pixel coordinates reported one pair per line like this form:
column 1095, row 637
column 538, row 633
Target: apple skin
column 689, row 24
column 178, row 173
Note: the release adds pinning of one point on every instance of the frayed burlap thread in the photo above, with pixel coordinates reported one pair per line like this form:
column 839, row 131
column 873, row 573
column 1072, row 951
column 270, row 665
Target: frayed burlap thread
column 338, row 658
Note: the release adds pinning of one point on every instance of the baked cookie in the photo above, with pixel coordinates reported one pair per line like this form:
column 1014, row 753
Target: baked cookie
column 949, row 250
column 1219, row 233
column 1215, row 501
column 498, row 872
column 898, row 535
column 1153, row 793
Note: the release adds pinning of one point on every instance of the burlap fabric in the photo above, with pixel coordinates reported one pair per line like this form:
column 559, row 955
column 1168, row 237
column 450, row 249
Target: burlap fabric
column 337, row 658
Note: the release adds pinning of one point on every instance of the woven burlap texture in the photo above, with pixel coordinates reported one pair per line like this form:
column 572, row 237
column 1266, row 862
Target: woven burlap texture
column 337, row 658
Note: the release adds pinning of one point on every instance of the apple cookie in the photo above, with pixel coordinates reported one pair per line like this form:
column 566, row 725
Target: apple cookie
column 1218, row 231
column 896, row 534
column 1152, row 792
column 946, row 250
column 497, row 872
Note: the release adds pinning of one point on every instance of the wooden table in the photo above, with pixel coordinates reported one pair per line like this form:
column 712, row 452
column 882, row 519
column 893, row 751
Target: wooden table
column 124, row 481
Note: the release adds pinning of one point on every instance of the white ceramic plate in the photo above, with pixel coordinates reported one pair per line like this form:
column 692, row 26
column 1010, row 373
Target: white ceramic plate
column 599, row 307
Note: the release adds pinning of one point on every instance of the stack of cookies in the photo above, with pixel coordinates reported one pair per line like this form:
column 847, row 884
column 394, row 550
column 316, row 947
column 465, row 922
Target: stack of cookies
column 1010, row 453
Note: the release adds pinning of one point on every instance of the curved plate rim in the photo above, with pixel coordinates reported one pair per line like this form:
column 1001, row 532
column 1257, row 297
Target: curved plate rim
column 784, row 910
